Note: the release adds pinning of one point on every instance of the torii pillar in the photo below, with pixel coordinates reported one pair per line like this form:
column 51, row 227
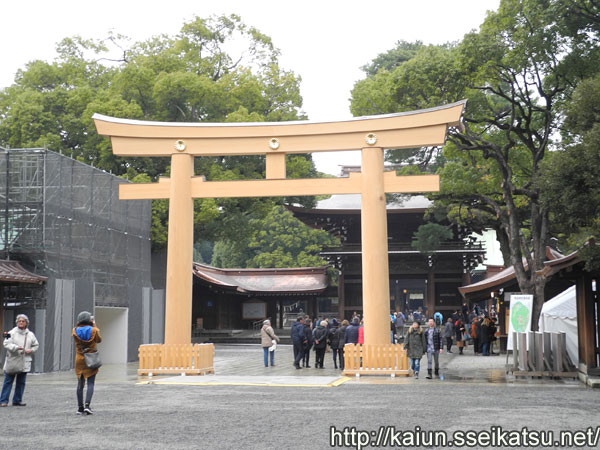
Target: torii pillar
column 185, row 141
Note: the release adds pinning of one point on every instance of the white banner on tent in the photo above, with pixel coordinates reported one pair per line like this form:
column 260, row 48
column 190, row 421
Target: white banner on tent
column 519, row 320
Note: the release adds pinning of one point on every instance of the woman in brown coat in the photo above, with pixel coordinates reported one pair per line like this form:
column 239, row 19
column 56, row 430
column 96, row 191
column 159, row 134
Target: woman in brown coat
column 86, row 336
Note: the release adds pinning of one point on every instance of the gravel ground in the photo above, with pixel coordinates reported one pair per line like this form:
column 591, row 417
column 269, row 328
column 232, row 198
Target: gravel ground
column 146, row 416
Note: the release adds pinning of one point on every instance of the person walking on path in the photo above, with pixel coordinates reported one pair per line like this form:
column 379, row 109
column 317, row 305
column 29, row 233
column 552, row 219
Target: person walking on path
column 86, row 335
column 433, row 339
column 268, row 339
column 448, row 333
column 20, row 344
column 298, row 340
column 320, row 343
column 415, row 346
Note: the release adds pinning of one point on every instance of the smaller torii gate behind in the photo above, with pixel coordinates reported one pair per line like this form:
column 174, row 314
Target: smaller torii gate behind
column 185, row 141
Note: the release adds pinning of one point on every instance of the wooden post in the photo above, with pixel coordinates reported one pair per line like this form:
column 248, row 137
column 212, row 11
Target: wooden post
column 585, row 322
column 375, row 267
column 178, row 307
column 280, row 320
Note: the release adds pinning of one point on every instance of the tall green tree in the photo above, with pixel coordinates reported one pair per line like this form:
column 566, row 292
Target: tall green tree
column 214, row 70
column 390, row 60
column 516, row 71
column 570, row 180
column 277, row 240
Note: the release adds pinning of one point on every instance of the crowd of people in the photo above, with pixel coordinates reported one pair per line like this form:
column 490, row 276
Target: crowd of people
column 477, row 327
column 462, row 328
column 308, row 334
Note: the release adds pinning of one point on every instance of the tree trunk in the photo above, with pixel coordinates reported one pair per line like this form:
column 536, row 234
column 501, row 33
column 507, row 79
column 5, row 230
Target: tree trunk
column 538, row 301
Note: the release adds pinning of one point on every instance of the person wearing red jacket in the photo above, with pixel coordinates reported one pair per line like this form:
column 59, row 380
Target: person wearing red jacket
column 361, row 332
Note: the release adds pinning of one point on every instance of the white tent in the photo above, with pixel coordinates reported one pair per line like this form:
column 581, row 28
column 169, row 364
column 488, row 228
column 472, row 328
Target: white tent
column 560, row 314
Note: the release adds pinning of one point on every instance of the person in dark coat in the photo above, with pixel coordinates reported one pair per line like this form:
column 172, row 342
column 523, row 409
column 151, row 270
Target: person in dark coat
column 333, row 340
column 415, row 346
column 351, row 335
column 459, row 328
column 485, row 337
column 320, row 343
column 338, row 349
column 298, row 340
column 309, row 342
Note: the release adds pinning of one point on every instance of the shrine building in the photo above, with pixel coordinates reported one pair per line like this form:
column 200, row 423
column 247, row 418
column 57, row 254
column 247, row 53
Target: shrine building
column 417, row 280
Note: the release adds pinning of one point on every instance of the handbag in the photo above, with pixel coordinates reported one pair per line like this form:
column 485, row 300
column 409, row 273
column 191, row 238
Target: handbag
column 91, row 358
column 15, row 365
column 274, row 346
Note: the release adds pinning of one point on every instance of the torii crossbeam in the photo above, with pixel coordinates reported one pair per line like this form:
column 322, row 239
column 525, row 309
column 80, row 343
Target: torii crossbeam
column 184, row 141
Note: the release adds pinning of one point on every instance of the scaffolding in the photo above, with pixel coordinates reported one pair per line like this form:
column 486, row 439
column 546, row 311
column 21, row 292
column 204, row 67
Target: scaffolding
column 63, row 219
column 21, row 198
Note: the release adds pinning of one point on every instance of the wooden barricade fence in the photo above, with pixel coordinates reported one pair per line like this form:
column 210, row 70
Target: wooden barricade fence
column 384, row 359
column 189, row 359
column 541, row 354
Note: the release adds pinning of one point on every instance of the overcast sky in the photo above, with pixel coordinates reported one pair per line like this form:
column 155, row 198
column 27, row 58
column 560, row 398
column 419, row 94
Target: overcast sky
column 325, row 42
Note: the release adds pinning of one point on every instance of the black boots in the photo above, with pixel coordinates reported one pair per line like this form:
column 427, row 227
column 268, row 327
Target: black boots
column 436, row 372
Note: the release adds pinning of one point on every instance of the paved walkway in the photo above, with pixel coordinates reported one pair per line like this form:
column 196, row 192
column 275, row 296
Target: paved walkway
column 243, row 363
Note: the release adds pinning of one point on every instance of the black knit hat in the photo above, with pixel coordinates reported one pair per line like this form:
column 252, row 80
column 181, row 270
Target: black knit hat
column 84, row 317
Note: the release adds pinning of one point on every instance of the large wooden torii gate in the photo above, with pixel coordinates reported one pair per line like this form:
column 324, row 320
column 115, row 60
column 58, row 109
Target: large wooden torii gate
column 184, row 141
